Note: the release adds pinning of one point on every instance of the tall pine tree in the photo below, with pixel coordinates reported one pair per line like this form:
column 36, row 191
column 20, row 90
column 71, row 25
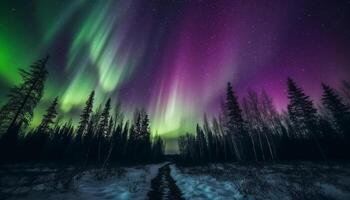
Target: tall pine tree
column 340, row 112
column 303, row 114
column 201, row 144
column 300, row 109
column 104, row 121
column 23, row 98
column 49, row 117
column 86, row 114
column 234, row 121
column 145, row 132
column 102, row 131
column 346, row 90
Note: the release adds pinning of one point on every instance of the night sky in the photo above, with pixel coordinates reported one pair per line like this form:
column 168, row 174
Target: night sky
column 174, row 58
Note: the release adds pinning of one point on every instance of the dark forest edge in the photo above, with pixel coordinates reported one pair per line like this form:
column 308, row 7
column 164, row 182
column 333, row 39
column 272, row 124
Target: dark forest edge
column 253, row 131
column 102, row 138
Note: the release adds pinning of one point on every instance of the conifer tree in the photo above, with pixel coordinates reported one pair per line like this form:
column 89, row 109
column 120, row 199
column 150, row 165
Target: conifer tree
column 234, row 120
column 137, row 125
column 104, row 121
column 303, row 114
column 102, row 131
column 201, row 144
column 145, row 137
column 145, row 132
column 340, row 112
column 346, row 90
column 49, row 117
column 86, row 114
column 300, row 108
column 23, row 98
column 234, row 111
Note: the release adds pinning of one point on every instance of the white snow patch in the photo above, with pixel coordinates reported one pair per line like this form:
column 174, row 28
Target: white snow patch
column 204, row 186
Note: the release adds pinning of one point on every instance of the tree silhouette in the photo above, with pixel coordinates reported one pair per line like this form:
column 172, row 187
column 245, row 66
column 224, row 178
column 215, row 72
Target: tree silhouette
column 85, row 116
column 145, row 132
column 303, row 114
column 234, row 126
column 267, row 135
column 101, row 138
column 102, row 130
column 49, row 117
column 300, row 108
column 23, row 98
column 340, row 112
column 346, row 90
column 104, row 121
column 201, row 144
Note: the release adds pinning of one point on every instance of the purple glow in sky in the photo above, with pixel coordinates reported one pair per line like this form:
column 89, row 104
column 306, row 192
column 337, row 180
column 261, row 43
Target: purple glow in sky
column 174, row 58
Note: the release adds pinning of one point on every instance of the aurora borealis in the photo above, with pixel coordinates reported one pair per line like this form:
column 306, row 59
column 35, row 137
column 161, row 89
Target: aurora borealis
column 174, row 58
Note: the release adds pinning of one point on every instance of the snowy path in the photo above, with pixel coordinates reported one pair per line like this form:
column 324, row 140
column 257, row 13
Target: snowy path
column 164, row 186
column 168, row 181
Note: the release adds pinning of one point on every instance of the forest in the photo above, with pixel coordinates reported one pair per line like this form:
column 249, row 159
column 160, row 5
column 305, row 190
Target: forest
column 254, row 130
column 250, row 131
column 106, row 155
column 102, row 137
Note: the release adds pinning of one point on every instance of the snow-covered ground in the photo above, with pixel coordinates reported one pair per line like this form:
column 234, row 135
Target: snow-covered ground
column 120, row 183
column 204, row 186
column 278, row 181
column 214, row 182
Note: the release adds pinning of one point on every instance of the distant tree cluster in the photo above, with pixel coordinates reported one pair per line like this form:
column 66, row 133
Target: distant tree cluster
column 255, row 131
column 101, row 137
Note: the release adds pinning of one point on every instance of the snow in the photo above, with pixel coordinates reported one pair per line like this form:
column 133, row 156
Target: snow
column 214, row 181
column 334, row 192
column 204, row 187
column 128, row 183
column 271, row 181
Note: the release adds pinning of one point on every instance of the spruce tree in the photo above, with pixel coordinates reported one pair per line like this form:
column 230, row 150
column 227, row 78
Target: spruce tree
column 104, row 121
column 201, row 144
column 303, row 114
column 23, row 98
column 86, row 114
column 300, row 108
column 234, row 121
column 145, row 132
column 340, row 112
column 137, row 134
column 145, row 138
column 346, row 91
column 49, row 117
column 233, row 109
column 102, row 131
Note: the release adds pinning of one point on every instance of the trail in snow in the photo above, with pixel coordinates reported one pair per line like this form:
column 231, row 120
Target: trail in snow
column 164, row 186
column 167, row 181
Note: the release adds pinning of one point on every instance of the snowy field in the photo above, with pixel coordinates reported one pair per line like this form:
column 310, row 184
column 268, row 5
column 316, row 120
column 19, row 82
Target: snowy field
column 37, row 183
column 216, row 181
column 278, row 181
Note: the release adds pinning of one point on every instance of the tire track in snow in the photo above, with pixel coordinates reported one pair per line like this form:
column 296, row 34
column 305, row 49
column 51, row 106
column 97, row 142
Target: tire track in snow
column 163, row 186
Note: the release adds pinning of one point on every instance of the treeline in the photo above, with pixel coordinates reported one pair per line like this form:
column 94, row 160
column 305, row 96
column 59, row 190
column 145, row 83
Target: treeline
column 102, row 136
column 253, row 130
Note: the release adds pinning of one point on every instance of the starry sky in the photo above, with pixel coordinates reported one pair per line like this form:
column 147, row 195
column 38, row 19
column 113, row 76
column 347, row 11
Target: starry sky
column 174, row 57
